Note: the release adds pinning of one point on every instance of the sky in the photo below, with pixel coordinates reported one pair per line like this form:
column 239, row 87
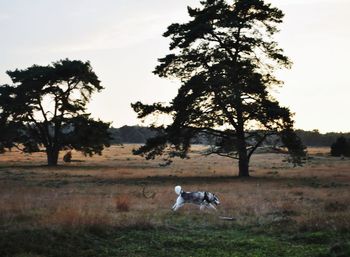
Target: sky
column 123, row 40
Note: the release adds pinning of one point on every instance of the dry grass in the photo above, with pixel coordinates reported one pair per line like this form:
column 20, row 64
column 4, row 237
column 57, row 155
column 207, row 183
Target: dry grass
column 119, row 189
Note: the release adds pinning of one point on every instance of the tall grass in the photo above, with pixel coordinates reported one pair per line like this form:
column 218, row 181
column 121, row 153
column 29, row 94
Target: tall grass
column 108, row 191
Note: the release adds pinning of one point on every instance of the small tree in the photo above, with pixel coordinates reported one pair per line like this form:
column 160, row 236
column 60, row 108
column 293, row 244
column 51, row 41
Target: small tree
column 341, row 147
column 45, row 110
column 225, row 57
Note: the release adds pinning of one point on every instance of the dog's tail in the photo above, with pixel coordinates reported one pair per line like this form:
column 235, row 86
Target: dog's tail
column 178, row 190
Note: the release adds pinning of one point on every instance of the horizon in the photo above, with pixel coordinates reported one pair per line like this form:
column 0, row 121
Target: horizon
column 314, row 130
column 124, row 39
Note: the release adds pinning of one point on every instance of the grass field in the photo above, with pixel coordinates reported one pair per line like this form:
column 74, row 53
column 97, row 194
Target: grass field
column 119, row 205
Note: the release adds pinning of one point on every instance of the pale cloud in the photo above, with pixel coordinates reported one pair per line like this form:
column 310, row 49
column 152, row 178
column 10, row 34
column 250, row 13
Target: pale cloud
column 305, row 2
column 121, row 35
column 4, row 16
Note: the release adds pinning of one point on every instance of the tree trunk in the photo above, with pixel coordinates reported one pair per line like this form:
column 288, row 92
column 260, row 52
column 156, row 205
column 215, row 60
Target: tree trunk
column 52, row 156
column 243, row 164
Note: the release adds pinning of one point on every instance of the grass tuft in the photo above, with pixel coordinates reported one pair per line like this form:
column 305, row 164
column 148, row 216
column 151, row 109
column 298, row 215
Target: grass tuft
column 122, row 203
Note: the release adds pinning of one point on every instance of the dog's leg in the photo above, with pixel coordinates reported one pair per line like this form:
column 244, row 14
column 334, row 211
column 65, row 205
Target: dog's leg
column 212, row 206
column 201, row 207
column 178, row 206
column 179, row 203
column 174, row 206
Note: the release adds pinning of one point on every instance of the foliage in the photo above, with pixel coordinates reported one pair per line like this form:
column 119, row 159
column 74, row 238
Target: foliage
column 131, row 134
column 139, row 135
column 45, row 108
column 341, row 147
column 225, row 57
column 315, row 138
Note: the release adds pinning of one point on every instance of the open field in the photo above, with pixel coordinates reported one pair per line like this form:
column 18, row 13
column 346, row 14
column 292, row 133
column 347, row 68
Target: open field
column 119, row 205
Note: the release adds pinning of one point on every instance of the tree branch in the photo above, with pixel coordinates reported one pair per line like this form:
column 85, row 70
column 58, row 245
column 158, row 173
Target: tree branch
column 44, row 136
column 212, row 151
column 258, row 144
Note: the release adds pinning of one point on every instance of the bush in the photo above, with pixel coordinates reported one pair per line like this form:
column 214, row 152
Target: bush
column 123, row 203
column 341, row 147
column 67, row 157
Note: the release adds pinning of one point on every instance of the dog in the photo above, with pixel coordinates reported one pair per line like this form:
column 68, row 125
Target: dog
column 203, row 199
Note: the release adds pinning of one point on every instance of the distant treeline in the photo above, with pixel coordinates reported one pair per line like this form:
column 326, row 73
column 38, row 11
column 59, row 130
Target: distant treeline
column 139, row 135
column 315, row 138
column 131, row 135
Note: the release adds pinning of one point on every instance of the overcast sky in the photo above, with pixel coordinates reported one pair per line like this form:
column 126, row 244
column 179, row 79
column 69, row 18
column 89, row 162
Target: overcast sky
column 122, row 40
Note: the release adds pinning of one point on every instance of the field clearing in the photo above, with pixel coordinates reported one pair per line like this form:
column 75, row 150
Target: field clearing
column 125, row 196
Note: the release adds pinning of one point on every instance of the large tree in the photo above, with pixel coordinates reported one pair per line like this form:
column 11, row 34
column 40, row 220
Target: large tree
column 225, row 58
column 45, row 110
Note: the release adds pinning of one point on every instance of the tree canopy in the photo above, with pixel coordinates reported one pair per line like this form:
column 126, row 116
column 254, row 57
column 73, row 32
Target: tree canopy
column 45, row 110
column 225, row 58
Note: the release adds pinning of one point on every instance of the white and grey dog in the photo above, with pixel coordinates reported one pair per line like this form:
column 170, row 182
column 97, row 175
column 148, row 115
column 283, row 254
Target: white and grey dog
column 203, row 199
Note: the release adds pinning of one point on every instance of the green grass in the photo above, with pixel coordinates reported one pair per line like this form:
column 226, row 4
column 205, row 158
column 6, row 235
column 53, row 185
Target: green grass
column 178, row 241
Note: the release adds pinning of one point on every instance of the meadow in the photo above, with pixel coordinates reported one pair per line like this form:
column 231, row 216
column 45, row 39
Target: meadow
column 119, row 204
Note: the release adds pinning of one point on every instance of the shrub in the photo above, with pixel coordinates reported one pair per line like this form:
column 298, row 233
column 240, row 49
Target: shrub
column 122, row 203
column 67, row 157
column 341, row 147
